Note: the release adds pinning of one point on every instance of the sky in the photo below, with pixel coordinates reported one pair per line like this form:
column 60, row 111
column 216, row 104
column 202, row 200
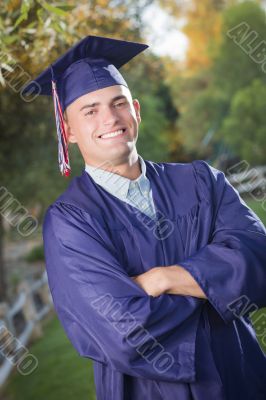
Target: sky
column 163, row 33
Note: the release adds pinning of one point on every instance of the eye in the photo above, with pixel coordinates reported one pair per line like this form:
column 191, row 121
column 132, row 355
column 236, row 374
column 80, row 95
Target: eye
column 120, row 104
column 91, row 112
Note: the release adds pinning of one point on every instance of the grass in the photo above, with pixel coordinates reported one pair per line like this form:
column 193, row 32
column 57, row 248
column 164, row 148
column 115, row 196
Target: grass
column 257, row 320
column 61, row 372
column 256, row 206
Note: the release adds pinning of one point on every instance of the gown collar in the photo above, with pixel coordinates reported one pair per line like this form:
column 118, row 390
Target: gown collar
column 116, row 184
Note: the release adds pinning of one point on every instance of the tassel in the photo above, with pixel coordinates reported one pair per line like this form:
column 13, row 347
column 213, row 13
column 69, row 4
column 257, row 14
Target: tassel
column 63, row 157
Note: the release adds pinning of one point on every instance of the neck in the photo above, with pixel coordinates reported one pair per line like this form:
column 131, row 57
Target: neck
column 129, row 168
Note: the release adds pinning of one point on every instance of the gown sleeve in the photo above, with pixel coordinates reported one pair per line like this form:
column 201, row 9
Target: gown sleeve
column 104, row 312
column 231, row 268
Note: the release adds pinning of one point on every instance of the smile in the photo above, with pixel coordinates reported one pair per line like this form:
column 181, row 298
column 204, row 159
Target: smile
column 119, row 132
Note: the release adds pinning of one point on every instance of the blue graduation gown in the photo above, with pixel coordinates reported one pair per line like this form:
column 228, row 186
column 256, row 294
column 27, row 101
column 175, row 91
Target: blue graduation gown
column 169, row 347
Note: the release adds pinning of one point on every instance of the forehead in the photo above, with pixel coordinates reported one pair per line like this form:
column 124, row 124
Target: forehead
column 104, row 95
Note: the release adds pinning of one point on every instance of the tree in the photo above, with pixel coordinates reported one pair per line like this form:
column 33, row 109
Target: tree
column 244, row 129
column 203, row 29
column 204, row 96
column 157, row 129
column 189, row 80
column 243, row 29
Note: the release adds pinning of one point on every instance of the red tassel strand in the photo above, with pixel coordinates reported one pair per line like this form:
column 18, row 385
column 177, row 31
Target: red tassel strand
column 63, row 157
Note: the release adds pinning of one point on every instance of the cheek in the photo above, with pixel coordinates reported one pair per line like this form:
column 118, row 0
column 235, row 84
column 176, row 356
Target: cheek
column 87, row 127
column 80, row 135
column 129, row 115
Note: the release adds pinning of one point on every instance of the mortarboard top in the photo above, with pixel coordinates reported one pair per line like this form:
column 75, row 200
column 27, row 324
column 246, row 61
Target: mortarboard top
column 89, row 65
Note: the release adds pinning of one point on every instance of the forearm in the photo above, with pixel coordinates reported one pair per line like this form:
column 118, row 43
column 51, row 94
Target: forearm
column 179, row 281
column 172, row 279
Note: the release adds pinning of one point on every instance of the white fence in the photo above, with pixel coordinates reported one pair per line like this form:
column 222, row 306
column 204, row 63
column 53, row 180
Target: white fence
column 250, row 181
column 22, row 321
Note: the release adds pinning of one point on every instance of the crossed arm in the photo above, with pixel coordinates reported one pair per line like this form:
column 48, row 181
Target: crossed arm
column 171, row 279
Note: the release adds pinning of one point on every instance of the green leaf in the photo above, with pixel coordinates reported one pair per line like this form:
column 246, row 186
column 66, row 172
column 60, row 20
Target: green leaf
column 24, row 12
column 66, row 7
column 10, row 39
column 32, row 25
column 40, row 15
column 22, row 17
column 25, row 7
column 55, row 10
column 56, row 26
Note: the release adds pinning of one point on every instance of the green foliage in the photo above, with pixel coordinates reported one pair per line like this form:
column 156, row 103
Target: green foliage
column 257, row 317
column 244, row 129
column 152, row 144
column 28, row 157
column 36, row 254
column 222, row 106
column 60, row 11
column 146, row 81
column 34, row 32
column 233, row 68
column 200, row 121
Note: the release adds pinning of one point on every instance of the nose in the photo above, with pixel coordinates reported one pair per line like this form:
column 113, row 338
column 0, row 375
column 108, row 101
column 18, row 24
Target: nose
column 109, row 116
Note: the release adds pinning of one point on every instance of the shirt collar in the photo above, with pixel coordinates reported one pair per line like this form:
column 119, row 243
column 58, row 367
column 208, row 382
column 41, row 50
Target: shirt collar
column 119, row 185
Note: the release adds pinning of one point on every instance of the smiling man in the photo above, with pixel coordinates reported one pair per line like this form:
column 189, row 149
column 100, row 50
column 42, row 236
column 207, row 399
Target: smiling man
column 105, row 122
column 152, row 266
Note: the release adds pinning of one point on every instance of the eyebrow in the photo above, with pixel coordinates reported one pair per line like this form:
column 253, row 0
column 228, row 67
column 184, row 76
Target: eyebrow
column 98, row 103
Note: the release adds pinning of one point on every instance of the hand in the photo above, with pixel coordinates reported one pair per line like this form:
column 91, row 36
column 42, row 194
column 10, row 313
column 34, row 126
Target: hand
column 179, row 281
column 152, row 281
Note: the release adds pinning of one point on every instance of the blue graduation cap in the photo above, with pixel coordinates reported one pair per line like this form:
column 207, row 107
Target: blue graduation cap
column 89, row 65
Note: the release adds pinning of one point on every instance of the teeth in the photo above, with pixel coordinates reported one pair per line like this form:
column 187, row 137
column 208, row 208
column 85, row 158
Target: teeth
column 112, row 134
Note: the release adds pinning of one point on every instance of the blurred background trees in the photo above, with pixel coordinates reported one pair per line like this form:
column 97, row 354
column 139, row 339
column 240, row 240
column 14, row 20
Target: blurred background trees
column 188, row 108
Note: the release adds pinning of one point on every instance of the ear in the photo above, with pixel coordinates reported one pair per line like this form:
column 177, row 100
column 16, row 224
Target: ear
column 71, row 138
column 137, row 109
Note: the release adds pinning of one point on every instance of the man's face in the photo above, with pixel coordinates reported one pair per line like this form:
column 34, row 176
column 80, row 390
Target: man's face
column 93, row 116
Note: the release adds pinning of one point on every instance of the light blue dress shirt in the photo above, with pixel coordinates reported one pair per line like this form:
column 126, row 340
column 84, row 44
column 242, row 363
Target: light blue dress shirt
column 137, row 192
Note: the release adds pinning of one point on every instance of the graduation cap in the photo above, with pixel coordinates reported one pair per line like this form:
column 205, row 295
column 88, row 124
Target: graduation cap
column 89, row 65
